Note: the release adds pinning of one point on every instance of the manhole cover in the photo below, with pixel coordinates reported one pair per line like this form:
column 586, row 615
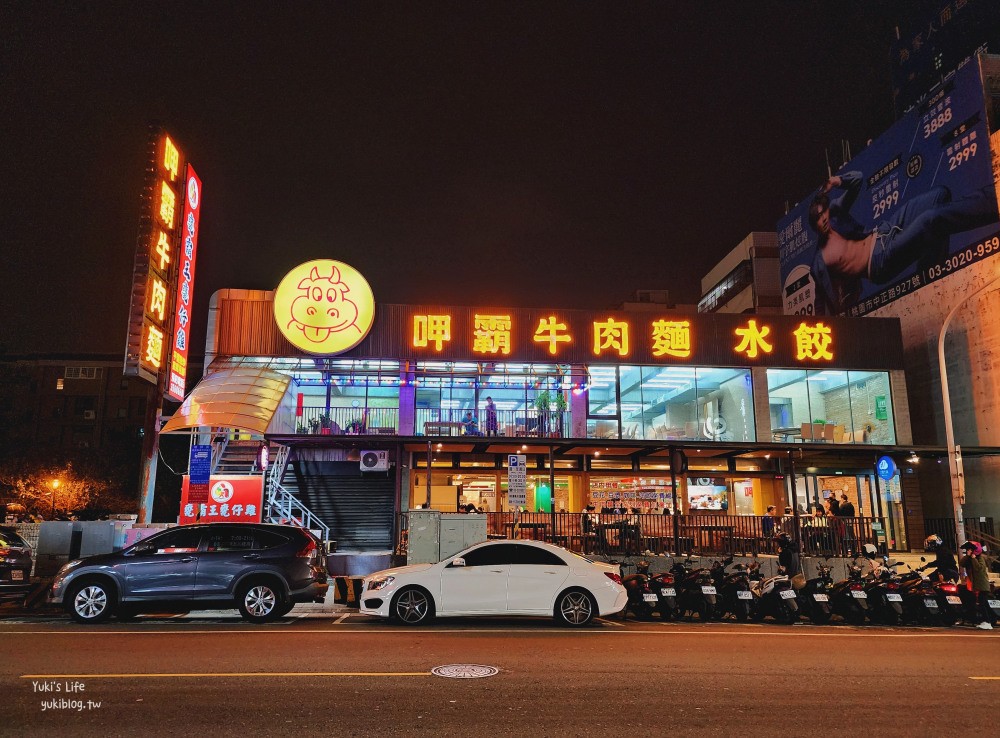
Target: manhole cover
column 465, row 671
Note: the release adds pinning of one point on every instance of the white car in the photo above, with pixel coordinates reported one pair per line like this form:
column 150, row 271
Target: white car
column 497, row 578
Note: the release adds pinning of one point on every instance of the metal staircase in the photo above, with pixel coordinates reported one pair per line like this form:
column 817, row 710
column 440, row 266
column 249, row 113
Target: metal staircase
column 282, row 506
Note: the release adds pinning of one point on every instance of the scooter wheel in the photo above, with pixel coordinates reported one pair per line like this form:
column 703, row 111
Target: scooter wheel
column 855, row 617
column 819, row 617
column 742, row 614
column 704, row 612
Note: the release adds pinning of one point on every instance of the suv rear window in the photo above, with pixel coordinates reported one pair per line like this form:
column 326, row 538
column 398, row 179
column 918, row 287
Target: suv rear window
column 270, row 539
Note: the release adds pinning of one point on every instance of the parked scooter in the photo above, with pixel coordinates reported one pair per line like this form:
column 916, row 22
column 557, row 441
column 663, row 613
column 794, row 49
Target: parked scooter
column 950, row 604
column 733, row 587
column 773, row 596
column 642, row 600
column 885, row 600
column 814, row 598
column 664, row 587
column 920, row 600
column 696, row 591
column 848, row 598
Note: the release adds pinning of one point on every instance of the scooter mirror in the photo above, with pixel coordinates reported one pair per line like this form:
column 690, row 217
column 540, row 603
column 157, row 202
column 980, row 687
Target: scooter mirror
column 922, row 559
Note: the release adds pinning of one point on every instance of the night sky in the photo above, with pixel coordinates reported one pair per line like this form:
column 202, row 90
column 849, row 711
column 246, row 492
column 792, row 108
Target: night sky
column 495, row 154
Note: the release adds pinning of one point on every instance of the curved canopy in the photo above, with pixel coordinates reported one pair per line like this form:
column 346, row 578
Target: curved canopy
column 244, row 397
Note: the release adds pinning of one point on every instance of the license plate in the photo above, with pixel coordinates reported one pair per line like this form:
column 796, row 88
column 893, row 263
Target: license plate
column 17, row 575
column 786, row 594
column 821, row 597
column 953, row 600
column 931, row 604
column 744, row 595
column 708, row 590
column 993, row 603
column 892, row 597
column 649, row 597
column 859, row 594
column 668, row 592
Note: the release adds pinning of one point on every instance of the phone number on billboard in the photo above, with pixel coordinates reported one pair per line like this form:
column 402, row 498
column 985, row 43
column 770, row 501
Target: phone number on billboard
column 964, row 258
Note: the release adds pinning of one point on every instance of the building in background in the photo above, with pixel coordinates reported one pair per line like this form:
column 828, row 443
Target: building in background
column 67, row 403
column 746, row 280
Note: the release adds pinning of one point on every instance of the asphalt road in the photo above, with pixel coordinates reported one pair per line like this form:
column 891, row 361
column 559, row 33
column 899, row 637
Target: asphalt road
column 349, row 675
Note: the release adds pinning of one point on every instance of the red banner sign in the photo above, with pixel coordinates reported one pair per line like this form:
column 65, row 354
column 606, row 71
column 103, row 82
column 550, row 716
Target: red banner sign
column 184, row 300
column 230, row 500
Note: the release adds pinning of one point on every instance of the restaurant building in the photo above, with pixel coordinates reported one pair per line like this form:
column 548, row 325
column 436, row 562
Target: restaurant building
column 370, row 410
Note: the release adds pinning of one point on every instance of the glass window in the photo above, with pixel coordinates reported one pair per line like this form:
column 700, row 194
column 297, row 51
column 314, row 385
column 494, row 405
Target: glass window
column 493, row 555
column 602, row 398
column 669, row 397
column 231, row 539
column 725, row 405
column 788, row 402
column 533, row 555
column 871, row 408
column 179, row 540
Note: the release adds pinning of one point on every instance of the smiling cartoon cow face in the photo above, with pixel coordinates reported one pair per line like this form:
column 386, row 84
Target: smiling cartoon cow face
column 323, row 307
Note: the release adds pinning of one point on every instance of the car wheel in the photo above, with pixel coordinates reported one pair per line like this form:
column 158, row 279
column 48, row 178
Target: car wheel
column 412, row 606
column 284, row 609
column 260, row 601
column 91, row 601
column 575, row 608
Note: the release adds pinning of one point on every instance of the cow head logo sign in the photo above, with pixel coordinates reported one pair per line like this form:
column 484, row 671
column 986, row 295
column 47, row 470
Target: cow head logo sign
column 324, row 307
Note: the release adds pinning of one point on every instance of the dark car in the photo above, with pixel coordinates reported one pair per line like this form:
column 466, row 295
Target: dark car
column 15, row 564
column 261, row 569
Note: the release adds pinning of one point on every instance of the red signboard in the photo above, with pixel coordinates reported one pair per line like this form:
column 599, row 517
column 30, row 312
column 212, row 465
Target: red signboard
column 230, row 500
column 184, row 299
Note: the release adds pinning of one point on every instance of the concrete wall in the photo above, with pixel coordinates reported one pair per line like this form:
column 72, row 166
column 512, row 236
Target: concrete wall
column 973, row 365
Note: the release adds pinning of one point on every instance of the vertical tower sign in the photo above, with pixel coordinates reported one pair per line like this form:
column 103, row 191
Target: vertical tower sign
column 155, row 256
column 185, row 284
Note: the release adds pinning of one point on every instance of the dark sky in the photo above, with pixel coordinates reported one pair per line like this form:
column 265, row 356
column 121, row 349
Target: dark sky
column 521, row 154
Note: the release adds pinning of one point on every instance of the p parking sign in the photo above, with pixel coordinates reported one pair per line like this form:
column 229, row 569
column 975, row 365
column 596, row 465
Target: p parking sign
column 517, row 480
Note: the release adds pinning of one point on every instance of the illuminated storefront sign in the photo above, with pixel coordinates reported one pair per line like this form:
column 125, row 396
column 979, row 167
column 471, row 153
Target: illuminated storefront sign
column 324, row 307
column 813, row 342
column 753, row 340
column 148, row 340
column 184, row 299
column 230, row 500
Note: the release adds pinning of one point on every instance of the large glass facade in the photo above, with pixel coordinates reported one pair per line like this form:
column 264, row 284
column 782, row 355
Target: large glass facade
column 831, row 406
column 682, row 403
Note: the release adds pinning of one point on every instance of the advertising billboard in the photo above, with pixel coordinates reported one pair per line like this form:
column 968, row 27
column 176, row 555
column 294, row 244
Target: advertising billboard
column 918, row 204
column 184, row 299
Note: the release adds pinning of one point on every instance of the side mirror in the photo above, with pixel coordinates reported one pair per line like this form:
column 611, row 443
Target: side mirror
column 900, row 563
column 457, row 562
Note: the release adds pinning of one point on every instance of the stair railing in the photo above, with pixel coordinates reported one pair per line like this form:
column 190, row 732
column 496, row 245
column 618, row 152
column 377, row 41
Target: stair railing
column 283, row 506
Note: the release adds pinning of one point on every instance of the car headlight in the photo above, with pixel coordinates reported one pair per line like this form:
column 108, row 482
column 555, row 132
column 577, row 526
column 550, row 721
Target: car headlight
column 380, row 583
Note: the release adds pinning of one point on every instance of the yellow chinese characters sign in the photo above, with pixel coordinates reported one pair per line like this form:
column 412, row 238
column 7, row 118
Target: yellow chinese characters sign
column 611, row 337
column 813, row 342
column 552, row 331
column 431, row 330
column 491, row 334
column 753, row 340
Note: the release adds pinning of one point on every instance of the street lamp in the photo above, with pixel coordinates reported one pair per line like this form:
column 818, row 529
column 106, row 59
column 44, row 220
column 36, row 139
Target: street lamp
column 955, row 452
column 55, row 486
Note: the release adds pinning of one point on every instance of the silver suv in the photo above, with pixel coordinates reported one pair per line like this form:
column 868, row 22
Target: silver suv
column 261, row 569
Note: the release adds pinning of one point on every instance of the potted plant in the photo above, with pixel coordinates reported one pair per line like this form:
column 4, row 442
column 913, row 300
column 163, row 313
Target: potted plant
column 314, row 426
column 559, row 401
column 355, row 427
column 543, row 400
column 325, row 424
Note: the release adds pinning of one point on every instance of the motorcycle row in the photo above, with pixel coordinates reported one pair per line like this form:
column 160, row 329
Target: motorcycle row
column 889, row 597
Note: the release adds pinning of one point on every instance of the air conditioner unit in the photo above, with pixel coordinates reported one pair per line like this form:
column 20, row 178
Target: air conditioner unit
column 374, row 461
column 89, row 414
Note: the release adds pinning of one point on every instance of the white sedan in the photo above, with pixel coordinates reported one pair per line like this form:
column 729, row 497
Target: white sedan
column 497, row 578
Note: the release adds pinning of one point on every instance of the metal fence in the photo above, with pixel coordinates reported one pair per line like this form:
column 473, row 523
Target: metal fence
column 945, row 527
column 618, row 535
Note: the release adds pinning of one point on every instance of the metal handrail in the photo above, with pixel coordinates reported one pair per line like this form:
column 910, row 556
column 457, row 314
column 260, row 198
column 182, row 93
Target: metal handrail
column 218, row 449
column 284, row 507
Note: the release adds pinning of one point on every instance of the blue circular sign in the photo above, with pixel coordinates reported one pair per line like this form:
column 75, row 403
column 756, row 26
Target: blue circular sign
column 886, row 468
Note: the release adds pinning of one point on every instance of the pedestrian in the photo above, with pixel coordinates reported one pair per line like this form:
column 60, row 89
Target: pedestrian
column 788, row 559
column 767, row 523
column 788, row 522
column 977, row 579
column 491, row 417
column 846, row 509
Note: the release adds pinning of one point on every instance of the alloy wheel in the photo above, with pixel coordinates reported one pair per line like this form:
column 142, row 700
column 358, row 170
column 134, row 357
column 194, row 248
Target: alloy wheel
column 575, row 608
column 90, row 601
column 260, row 600
column 412, row 606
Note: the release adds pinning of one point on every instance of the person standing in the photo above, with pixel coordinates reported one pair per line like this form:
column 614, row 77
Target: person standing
column 767, row 523
column 846, row 510
column 978, row 579
column 491, row 417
